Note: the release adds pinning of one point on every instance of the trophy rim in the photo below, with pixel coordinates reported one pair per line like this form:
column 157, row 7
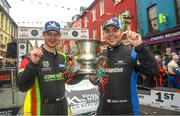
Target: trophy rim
column 97, row 41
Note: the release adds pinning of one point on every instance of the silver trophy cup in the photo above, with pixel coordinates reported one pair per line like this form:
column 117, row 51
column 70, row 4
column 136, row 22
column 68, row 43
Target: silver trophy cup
column 87, row 55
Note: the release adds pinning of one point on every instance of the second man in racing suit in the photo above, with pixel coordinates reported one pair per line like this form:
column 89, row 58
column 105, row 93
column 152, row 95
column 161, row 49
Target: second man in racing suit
column 119, row 95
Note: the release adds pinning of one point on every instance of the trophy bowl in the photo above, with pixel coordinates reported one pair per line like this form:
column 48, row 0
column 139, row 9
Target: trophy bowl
column 87, row 55
column 87, row 68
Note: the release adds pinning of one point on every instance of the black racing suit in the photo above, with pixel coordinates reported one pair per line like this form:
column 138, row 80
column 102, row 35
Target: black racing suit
column 50, row 78
column 119, row 96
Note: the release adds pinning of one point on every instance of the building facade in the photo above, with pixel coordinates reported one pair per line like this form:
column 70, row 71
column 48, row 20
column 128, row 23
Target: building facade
column 158, row 22
column 101, row 10
column 8, row 28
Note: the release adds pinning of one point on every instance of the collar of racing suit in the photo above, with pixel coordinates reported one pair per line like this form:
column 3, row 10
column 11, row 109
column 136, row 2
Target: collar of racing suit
column 115, row 47
column 45, row 52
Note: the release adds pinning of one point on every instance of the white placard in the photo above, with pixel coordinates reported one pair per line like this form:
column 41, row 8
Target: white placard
column 74, row 34
column 22, row 49
column 82, row 97
column 30, row 32
column 161, row 99
column 66, row 33
column 166, row 99
column 144, row 99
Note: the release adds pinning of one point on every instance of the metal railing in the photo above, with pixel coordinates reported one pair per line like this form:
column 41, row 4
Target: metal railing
column 8, row 77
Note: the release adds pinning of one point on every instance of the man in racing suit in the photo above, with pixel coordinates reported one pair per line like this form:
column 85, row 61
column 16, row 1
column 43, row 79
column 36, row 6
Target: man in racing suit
column 43, row 75
column 119, row 95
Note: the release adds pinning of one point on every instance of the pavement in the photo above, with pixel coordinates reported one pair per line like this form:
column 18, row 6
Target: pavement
column 148, row 110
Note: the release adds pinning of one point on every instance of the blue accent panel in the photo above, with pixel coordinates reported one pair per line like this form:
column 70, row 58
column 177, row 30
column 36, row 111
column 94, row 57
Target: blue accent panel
column 133, row 54
column 134, row 95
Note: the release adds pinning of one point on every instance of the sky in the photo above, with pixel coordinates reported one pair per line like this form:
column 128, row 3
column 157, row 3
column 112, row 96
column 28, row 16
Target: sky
column 32, row 13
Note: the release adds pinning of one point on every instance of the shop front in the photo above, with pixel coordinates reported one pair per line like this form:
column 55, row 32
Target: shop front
column 164, row 42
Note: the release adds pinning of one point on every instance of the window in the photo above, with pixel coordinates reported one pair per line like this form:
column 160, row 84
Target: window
column 5, row 41
column 102, row 38
column 178, row 11
column 6, row 24
column 85, row 22
column 9, row 27
column 122, row 14
column 2, row 21
column 94, row 34
column 116, row 1
column 94, row 14
column 11, row 30
column 122, row 18
column 101, row 7
column 6, row 8
column 2, row 39
column 153, row 19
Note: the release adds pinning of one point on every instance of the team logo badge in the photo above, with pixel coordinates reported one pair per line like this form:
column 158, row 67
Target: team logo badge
column 45, row 64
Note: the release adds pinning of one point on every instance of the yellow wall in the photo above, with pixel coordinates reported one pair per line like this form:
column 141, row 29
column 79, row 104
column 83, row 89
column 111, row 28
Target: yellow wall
column 7, row 29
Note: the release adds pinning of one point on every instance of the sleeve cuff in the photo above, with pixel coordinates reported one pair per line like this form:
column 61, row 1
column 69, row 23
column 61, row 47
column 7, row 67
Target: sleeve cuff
column 140, row 47
column 33, row 66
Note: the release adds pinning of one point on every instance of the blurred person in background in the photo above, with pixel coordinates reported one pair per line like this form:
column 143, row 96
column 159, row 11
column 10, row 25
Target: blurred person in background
column 173, row 79
column 162, row 79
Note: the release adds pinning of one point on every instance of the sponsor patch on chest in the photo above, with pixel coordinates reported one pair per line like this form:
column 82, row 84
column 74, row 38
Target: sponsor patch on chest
column 53, row 77
column 114, row 70
column 120, row 63
column 45, row 64
column 61, row 65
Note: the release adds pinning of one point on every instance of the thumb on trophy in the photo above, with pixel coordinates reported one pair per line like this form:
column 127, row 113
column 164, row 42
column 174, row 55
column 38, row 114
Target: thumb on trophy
column 93, row 79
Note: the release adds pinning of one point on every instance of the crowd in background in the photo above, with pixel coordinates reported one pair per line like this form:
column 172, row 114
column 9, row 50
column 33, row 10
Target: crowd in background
column 169, row 76
column 8, row 62
column 169, row 72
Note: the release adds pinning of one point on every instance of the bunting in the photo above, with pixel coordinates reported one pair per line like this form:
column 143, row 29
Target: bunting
column 49, row 4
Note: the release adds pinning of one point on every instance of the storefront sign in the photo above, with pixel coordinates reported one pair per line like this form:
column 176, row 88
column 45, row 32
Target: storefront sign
column 168, row 35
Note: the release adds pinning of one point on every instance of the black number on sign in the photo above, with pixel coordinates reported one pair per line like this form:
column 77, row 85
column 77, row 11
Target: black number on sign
column 159, row 97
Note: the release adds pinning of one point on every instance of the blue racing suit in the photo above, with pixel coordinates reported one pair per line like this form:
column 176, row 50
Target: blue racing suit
column 119, row 96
